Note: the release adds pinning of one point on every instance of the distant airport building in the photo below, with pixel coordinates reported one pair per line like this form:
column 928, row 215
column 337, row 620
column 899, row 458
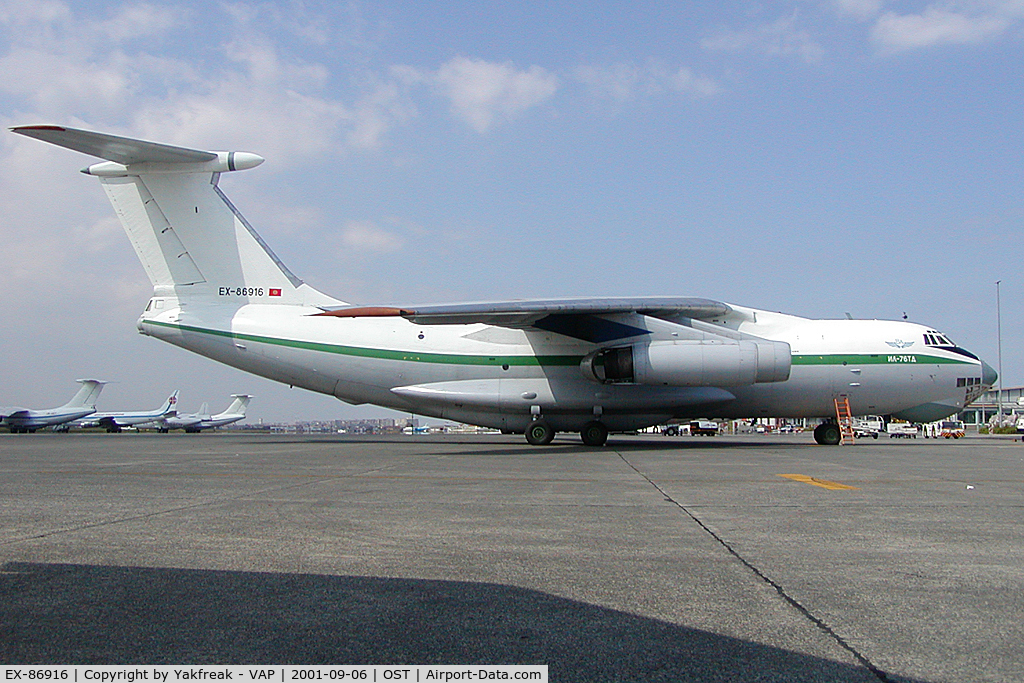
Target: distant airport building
column 988, row 405
column 386, row 425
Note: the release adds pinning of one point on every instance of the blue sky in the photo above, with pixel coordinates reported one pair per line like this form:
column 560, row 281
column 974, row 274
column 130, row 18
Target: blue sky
column 818, row 158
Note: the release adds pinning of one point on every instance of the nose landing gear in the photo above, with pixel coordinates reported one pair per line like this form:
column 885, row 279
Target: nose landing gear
column 827, row 434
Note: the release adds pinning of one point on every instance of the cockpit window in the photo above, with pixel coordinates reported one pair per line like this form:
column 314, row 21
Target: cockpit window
column 937, row 340
column 933, row 338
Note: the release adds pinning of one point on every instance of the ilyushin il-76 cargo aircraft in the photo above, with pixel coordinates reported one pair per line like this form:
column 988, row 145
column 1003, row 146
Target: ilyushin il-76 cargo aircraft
column 27, row 420
column 196, row 422
column 536, row 367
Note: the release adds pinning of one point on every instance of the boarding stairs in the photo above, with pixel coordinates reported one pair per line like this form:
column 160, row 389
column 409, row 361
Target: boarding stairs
column 844, row 418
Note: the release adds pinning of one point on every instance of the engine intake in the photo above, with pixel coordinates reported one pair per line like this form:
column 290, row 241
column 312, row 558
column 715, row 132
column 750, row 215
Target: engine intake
column 691, row 363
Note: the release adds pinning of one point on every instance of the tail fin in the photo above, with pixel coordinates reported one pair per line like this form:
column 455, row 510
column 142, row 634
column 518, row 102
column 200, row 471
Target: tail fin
column 239, row 405
column 87, row 394
column 193, row 243
column 204, row 411
column 168, row 407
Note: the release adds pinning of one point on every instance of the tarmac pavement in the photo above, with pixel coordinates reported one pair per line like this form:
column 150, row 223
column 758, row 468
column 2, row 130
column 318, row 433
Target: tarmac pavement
column 651, row 559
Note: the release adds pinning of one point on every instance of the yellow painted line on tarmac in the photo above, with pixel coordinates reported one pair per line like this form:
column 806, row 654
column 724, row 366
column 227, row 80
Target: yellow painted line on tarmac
column 823, row 483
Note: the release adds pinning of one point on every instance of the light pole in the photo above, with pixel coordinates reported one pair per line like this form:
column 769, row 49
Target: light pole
column 999, row 352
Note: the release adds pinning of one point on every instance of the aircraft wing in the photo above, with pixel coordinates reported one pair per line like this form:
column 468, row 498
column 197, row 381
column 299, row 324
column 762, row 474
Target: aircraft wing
column 580, row 318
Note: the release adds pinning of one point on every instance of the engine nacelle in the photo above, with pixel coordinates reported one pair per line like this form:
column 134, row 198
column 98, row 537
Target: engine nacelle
column 691, row 363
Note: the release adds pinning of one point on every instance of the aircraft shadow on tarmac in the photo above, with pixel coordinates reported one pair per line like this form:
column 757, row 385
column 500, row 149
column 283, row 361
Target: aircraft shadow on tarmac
column 513, row 445
column 623, row 446
column 78, row 614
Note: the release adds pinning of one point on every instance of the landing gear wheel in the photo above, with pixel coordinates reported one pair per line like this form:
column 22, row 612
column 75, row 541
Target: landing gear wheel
column 539, row 433
column 827, row 434
column 594, row 433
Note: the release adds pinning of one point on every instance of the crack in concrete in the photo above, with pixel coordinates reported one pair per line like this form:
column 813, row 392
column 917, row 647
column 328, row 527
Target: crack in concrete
column 793, row 602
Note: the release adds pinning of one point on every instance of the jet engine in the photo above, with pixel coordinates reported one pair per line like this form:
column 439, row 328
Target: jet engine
column 691, row 363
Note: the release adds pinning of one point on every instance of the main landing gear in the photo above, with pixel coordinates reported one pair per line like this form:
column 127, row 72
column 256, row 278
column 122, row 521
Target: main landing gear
column 541, row 433
column 827, row 434
column 594, row 433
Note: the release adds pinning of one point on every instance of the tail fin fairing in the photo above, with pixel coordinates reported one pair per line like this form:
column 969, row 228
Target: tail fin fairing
column 238, row 405
column 168, row 407
column 87, row 394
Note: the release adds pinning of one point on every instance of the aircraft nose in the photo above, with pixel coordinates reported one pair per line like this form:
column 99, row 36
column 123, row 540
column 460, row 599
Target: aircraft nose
column 988, row 374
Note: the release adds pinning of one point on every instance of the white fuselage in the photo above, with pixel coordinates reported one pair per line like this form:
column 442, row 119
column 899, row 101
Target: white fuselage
column 37, row 419
column 503, row 377
column 119, row 418
column 196, row 422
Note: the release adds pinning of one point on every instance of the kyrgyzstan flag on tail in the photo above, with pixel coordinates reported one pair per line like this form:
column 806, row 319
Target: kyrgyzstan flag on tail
column 275, row 292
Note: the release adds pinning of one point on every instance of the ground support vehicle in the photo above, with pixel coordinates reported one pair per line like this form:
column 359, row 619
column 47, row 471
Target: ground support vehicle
column 703, row 428
column 902, row 430
column 952, row 429
column 868, row 426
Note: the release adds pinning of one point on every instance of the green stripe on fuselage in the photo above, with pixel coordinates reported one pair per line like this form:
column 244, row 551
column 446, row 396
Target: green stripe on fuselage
column 384, row 354
column 552, row 360
column 875, row 359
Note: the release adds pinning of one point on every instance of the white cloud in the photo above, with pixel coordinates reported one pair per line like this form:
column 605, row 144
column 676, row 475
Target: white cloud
column 862, row 10
column 625, row 82
column 286, row 103
column 483, row 92
column 138, row 21
column 109, row 74
column 938, row 26
column 56, row 61
column 279, row 102
column 779, row 38
column 376, row 112
column 46, row 243
column 31, row 13
column 49, row 81
column 684, row 80
column 619, row 82
column 363, row 236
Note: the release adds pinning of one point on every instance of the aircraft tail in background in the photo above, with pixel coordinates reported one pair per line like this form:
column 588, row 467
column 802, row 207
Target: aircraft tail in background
column 237, row 407
column 26, row 420
column 87, row 394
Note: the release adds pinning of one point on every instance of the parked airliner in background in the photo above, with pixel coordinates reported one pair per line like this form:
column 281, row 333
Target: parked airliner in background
column 25, row 420
column 533, row 367
column 197, row 422
column 115, row 421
